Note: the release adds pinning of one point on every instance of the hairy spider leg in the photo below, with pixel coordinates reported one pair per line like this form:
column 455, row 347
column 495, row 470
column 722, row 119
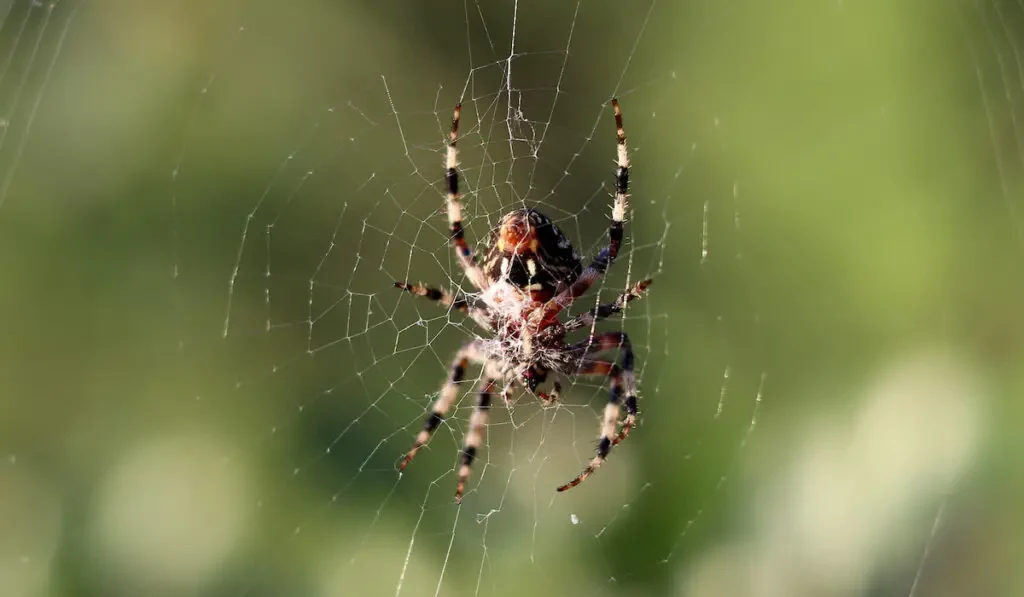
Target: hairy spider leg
column 622, row 381
column 609, row 421
column 607, row 255
column 468, row 305
column 457, row 235
column 620, row 340
column 441, row 295
column 586, row 320
column 475, row 434
column 469, row 352
column 611, row 341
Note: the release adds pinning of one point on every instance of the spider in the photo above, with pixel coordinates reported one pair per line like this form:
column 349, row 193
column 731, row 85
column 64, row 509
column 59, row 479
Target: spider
column 529, row 275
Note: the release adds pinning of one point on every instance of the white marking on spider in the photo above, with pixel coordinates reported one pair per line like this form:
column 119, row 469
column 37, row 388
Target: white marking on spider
column 623, row 156
column 531, row 266
column 451, row 158
column 454, row 211
column 619, row 209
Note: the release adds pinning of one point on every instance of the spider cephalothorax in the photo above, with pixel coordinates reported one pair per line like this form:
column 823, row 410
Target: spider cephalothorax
column 529, row 275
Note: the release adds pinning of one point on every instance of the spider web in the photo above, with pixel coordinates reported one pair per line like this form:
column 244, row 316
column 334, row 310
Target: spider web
column 811, row 413
column 353, row 205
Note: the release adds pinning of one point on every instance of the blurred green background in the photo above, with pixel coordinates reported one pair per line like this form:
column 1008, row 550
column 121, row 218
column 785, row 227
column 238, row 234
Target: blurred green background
column 206, row 380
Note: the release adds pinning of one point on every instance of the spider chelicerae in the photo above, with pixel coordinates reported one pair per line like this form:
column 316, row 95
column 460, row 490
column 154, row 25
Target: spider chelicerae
column 529, row 275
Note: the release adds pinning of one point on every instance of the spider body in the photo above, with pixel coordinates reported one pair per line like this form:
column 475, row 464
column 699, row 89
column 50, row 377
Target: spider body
column 529, row 274
column 529, row 252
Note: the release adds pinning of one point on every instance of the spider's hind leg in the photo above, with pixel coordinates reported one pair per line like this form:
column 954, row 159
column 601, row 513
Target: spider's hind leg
column 469, row 352
column 622, row 382
column 609, row 421
column 475, row 434
column 619, row 341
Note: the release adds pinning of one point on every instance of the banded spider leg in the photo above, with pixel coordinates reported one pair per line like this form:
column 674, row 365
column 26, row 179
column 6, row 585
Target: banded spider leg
column 622, row 382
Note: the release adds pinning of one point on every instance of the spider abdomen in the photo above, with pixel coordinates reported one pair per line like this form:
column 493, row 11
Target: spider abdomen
column 533, row 254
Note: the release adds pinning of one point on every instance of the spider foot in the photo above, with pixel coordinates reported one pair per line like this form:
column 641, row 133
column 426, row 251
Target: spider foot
column 408, row 458
column 603, row 447
column 460, row 489
column 594, row 464
column 433, row 421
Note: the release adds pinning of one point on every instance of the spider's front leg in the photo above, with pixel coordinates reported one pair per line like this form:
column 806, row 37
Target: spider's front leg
column 622, row 382
column 607, row 255
column 457, row 235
